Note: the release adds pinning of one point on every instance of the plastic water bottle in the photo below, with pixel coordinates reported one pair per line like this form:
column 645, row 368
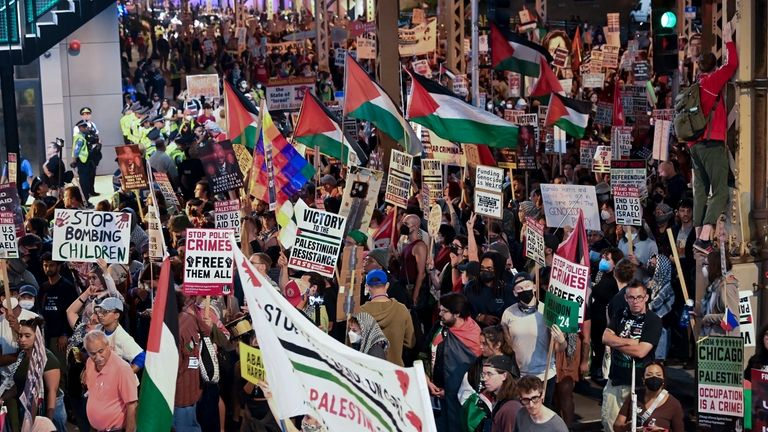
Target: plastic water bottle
column 685, row 318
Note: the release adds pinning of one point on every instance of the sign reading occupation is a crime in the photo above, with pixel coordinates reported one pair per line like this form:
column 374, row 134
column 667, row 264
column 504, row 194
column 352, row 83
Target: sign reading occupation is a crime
column 251, row 364
column 88, row 235
column 719, row 376
column 627, row 204
column 566, row 294
column 8, row 246
column 399, row 179
column 534, row 241
column 488, row 196
column 318, row 241
column 208, row 262
column 227, row 216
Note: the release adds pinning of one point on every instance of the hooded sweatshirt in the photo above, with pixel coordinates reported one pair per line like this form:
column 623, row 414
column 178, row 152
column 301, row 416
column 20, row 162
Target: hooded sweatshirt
column 396, row 323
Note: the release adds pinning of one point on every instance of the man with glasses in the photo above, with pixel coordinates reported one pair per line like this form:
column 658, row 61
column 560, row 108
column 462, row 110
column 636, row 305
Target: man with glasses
column 536, row 416
column 632, row 336
column 108, row 311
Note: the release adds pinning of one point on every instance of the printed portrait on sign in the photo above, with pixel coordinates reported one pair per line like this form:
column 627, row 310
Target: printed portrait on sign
column 221, row 166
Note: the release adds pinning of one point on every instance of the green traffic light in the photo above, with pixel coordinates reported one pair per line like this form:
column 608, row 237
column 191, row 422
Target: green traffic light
column 668, row 19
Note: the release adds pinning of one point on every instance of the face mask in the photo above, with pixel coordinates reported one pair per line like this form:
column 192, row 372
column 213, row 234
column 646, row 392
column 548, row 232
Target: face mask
column 605, row 215
column 604, row 266
column 654, row 383
column 657, row 198
column 705, row 272
column 486, row 277
column 594, row 256
column 27, row 304
column 353, row 337
column 404, row 230
column 525, row 296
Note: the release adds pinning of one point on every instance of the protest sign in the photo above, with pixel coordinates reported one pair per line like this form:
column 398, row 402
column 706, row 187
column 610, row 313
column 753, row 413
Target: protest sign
column 527, row 141
column 9, row 248
column 759, row 381
column 640, row 69
column 566, row 294
column 340, row 57
column 593, row 80
column 513, row 81
column 227, row 216
column 13, row 167
column 610, row 56
column 661, row 133
column 88, row 235
column 366, row 47
column 155, row 233
column 418, row 40
column 587, row 150
column 560, row 58
column 221, row 166
column 421, row 67
column 627, row 206
column 629, row 172
column 447, row 152
column 399, row 179
column 746, row 318
column 460, row 85
column 251, row 365
column 604, row 115
column 614, row 23
column 351, row 267
column 203, row 85
column 719, row 377
column 10, row 203
column 287, row 93
column 663, row 114
column 596, row 62
column 567, row 85
column 318, row 240
column 131, row 164
column 432, row 180
column 534, row 241
column 208, row 262
column 241, row 34
column 356, row 28
column 161, row 180
column 562, row 203
column 483, row 43
column 488, row 196
column 621, row 142
column 511, row 115
column 559, row 140
column 419, row 16
column 361, row 191
column 602, row 160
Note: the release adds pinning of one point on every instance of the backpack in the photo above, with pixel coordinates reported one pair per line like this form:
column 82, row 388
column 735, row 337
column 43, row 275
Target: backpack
column 690, row 121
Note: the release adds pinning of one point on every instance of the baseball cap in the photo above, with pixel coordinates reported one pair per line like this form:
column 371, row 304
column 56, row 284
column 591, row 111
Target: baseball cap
column 376, row 277
column 28, row 290
column 504, row 363
column 111, row 303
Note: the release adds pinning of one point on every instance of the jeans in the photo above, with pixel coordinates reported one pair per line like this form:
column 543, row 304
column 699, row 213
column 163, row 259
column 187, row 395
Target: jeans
column 185, row 419
column 710, row 170
column 60, row 415
column 663, row 347
column 613, row 399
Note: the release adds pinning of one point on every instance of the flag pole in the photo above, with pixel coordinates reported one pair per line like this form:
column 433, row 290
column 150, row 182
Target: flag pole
column 343, row 110
column 475, row 55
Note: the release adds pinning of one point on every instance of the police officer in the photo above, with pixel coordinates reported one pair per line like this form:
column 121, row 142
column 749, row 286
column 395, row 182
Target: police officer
column 128, row 120
column 81, row 159
column 155, row 133
column 85, row 115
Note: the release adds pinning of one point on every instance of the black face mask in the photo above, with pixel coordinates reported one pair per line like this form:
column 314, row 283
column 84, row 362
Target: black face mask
column 657, row 198
column 487, row 277
column 404, row 230
column 525, row 296
column 654, row 383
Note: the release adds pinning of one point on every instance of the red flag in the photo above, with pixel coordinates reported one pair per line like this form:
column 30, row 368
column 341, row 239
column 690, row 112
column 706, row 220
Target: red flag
column 383, row 235
column 576, row 50
column 486, row 157
column 575, row 248
column 618, row 109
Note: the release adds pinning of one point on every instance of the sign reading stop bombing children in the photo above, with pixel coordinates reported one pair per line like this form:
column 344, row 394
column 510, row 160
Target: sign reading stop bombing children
column 87, row 236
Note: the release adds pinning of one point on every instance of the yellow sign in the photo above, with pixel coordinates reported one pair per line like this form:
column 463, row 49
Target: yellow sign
column 251, row 365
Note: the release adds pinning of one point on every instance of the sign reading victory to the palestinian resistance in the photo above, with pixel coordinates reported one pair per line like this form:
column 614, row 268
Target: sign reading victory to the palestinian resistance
column 88, row 235
column 719, row 377
column 318, row 240
column 432, row 180
column 208, row 262
column 9, row 248
column 562, row 204
column 399, row 179
column 251, row 364
column 566, row 294
column 488, row 196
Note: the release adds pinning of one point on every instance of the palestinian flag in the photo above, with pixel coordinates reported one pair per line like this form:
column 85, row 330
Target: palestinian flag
column 516, row 53
column 576, row 50
column 319, row 129
column 158, row 385
column 242, row 117
column 546, row 84
column 449, row 117
column 576, row 248
column 568, row 114
column 366, row 100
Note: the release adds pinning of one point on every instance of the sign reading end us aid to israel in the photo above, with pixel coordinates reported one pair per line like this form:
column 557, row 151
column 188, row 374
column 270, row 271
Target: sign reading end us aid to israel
column 318, row 241
column 208, row 263
column 488, row 196
column 88, row 235
column 568, row 284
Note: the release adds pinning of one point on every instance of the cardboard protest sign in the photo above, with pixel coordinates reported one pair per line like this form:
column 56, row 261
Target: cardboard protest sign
column 562, row 203
column 287, row 93
column 602, row 160
column 399, row 179
column 432, row 180
column 227, row 216
column 366, row 47
column 604, row 115
column 534, row 241
column 166, row 189
column 621, row 142
column 155, row 233
column 131, row 164
column 351, row 265
column 488, row 195
column 627, row 204
column 318, row 240
column 593, row 80
column 221, row 166
column 251, row 365
column 87, row 235
column 610, row 56
column 208, row 262
column 566, row 295
column 719, row 377
column 746, row 318
column 10, row 203
column 661, row 134
column 759, row 417
column 418, row 40
column 361, row 191
column 9, row 248
column 587, row 150
column 447, row 152
column 630, row 172
column 203, row 85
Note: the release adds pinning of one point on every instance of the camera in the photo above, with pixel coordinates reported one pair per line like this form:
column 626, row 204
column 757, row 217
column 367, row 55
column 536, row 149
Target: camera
column 91, row 137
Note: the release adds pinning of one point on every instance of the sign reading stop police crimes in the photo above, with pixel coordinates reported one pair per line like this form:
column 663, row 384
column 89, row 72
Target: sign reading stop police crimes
column 208, row 262
column 534, row 241
column 8, row 246
column 719, row 376
column 399, row 179
column 566, row 294
column 627, row 205
column 227, row 216
column 488, row 196
column 87, row 236
column 318, row 241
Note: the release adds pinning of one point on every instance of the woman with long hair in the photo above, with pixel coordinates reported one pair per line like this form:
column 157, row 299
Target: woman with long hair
column 657, row 409
column 718, row 296
column 500, row 375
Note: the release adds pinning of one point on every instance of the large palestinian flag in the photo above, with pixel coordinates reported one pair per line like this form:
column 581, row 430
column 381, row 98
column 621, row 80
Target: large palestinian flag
column 546, row 84
column 318, row 128
column 158, row 385
column 449, row 117
column 568, row 114
column 516, row 53
column 366, row 100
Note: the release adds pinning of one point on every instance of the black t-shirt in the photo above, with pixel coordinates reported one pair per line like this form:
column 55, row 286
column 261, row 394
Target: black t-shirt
column 54, row 301
column 646, row 328
column 617, row 305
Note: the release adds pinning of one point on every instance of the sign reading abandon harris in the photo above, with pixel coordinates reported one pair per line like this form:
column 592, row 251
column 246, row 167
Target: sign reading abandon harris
column 87, row 235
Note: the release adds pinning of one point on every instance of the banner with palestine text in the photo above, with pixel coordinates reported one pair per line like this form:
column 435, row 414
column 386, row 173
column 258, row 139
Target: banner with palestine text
column 309, row 372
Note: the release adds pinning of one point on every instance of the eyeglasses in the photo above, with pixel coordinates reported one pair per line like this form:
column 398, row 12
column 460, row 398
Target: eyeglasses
column 635, row 298
column 530, row 400
column 489, row 374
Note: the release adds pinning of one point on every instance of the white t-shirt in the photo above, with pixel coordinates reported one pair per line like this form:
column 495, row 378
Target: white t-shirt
column 530, row 341
column 123, row 344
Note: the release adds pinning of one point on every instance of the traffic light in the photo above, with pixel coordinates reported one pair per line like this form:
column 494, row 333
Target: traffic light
column 664, row 29
column 664, row 16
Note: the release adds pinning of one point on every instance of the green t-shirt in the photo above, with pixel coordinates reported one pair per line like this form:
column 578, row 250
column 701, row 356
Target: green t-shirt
column 20, row 377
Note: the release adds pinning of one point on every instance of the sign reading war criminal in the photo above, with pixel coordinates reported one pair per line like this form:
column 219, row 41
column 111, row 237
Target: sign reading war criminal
column 208, row 262
column 318, row 240
column 88, row 235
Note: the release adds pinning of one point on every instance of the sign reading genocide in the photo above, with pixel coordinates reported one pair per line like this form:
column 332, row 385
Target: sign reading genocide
column 488, row 196
column 627, row 203
column 566, row 294
column 227, row 216
column 251, row 364
column 399, row 179
column 746, row 318
column 318, row 240
column 8, row 246
column 719, row 377
column 562, row 204
column 88, row 235
column 432, row 180
column 534, row 241
column 208, row 262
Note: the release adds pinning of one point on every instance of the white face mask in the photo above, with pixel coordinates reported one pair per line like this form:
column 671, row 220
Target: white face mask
column 705, row 272
column 605, row 215
column 27, row 304
column 353, row 337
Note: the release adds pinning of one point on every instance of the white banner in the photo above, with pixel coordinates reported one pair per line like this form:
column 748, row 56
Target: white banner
column 562, row 204
column 488, row 196
column 318, row 240
column 419, row 40
column 88, row 235
column 287, row 94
